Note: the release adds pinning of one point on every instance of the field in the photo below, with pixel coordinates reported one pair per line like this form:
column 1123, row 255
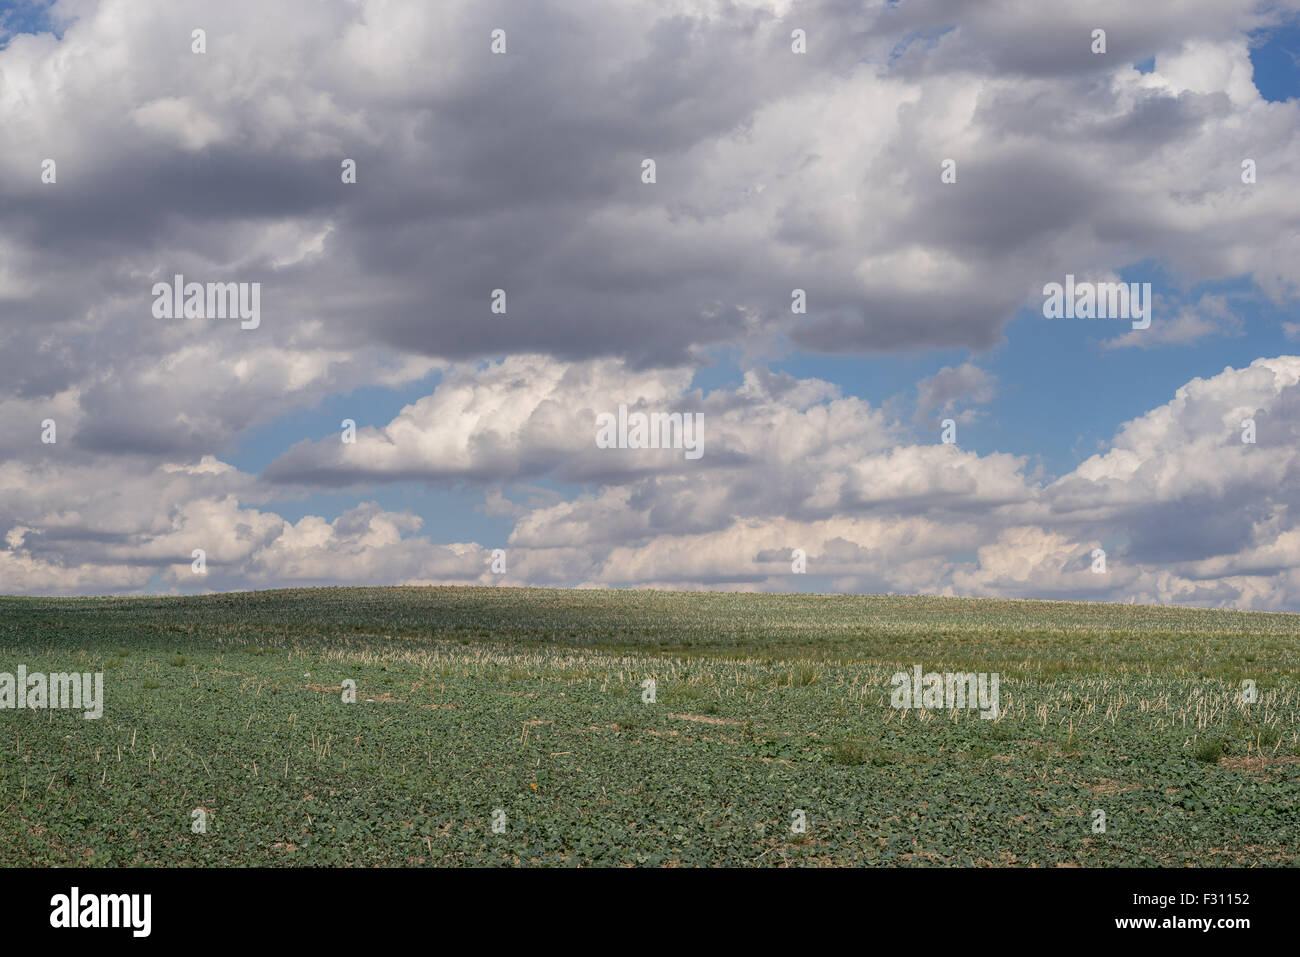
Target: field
column 529, row 702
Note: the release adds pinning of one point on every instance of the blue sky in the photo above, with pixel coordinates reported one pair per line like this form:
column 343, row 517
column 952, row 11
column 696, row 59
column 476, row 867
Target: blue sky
column 776, row 170
column 24, row 16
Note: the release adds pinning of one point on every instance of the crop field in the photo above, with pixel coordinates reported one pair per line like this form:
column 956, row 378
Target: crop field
column 511, row 727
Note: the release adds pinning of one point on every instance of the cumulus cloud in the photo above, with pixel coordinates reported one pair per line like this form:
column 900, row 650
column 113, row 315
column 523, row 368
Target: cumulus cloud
column 965, row 384
column 521, row 172
column 1211, row 315
column 799, row 467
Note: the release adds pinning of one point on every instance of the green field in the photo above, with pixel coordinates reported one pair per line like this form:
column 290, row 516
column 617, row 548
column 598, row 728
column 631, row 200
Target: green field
column 529, row 701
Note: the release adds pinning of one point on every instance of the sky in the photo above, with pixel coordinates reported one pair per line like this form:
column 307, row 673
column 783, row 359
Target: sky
column 920, row 170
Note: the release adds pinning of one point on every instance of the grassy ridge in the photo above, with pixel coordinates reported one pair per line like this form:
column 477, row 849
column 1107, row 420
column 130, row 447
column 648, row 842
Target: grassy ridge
column 529, row 701
column 1096, row 637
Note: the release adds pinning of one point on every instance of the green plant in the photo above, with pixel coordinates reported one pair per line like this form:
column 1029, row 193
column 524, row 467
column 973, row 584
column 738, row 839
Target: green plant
column 1210, row 750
